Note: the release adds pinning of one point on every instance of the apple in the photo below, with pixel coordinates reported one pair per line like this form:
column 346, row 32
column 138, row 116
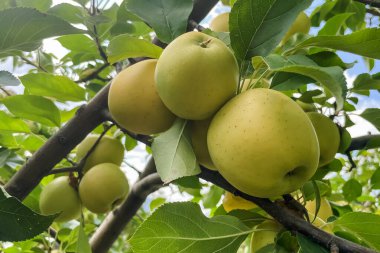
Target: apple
column 232, row 202
column 59, row 196
column 195, row 75
column 199, row 141
column 108, row 150
column 302, row 24
column 220, row 23
column 307, row 107
column 324, row 211
column 266, row 234
column 134, row 103
column 328, row 137
column 103, row 187
column 263, row 143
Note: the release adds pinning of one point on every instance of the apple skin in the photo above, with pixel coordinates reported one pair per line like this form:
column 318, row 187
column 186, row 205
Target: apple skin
column 195, row 75
column 263, row 143
column 103, row 187
column 232, row 202
column 134, row 103
column 302, row 24
column 324, row 211
column 60, row 197
column 220, row 23
column 265, row 237
column 328, row 137
column 199, row 141
column 108, row 150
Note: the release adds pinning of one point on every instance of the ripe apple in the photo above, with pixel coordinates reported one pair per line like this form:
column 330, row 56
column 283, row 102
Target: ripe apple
column 328, row 137
column 266, row 234
column 220, row 23
column 232, row 202
column 103, row 187
column 60, row 197
column 302, row 24
column 263, row 143
column 195, row 75
column 108, row 150
column 134, row 103
column 324, row 211
column 199, row 141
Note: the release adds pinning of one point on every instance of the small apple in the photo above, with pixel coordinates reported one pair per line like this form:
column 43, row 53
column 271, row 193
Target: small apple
column 328, row 137
column 302, row 24
column 220, row 23
column 108, row 150
column 60, row 197
column 134, row 103
column 263, row 143
column 199, row 141
column 232, row 202
column 324, row 211
column 195, row 75
column 266, row 234
column 103, row 187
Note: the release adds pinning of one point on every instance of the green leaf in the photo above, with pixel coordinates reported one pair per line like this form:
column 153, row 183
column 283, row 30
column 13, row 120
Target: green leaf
column 167, row 17
column 41, row 5
column 306, row 245
column 352, row 189
column 182, row 227
column 212, row 198
column 257, row 27
column 78, row 43
column 68, row 12
column 49, row 85
column 365, row 81
column 24, row 29
column 7, row 79
column 83, row 245
column 329, row 59
column 375, row 179
column 173, row 153
column 364, row 42
column 17, row 222
column 34, row 108
column 8, row 123
column 283, row 81
column 125, row 46
column 157, row 202
column 250, row 219
column 373, row 116
column 364, row 226
column 333, row 25
column 330, row 77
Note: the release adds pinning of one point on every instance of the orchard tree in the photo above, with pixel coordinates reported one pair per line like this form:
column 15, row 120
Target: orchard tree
column 246, row 119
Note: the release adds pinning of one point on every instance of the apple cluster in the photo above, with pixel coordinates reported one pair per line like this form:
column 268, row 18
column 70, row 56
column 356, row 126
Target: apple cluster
column 102, row 187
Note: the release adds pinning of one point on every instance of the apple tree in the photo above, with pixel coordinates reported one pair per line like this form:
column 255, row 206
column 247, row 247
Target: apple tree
column 155, row 126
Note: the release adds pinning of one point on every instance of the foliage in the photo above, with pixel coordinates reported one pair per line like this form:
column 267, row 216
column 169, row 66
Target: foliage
column 52, row 88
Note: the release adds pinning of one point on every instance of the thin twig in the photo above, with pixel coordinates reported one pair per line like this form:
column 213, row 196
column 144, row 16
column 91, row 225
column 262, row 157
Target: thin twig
column 33, row 64
column 373, row 3
column 63, row 170
column 94, row 74
column 352, row 162
column 5, row 91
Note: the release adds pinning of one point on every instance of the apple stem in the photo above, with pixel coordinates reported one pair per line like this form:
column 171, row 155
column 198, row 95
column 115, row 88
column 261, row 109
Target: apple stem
column 205, row 43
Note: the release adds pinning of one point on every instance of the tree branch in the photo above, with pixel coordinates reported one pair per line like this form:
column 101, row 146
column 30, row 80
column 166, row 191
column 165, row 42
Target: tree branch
column 93, row 74
column 365, row 142
column 372, row 3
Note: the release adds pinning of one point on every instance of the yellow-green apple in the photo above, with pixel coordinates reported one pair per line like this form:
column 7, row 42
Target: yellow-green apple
column 328, row 137
column 301, row 25
column 263, row 143
column 103, row 187
column 323, row 214
column 195, row 75
column 266, row 234
column 199, row 130
column 134, row 103
column 220, row 23
column 59, row 196
column 232, row 202
column 108, row 150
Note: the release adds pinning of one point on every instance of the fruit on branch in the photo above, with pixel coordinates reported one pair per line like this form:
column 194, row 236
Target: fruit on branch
column 108, row 150
column 232, row 202
column 220, row 23
column 199, row 130
column 263, row 143
column 307, row 107
column 265, row 235
column 302, row 24
column 324, row 211
column 134, row 103
column 60, row 197
column 263, row 83
column 103, row 187
column 328, row 137
column 195, row 75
